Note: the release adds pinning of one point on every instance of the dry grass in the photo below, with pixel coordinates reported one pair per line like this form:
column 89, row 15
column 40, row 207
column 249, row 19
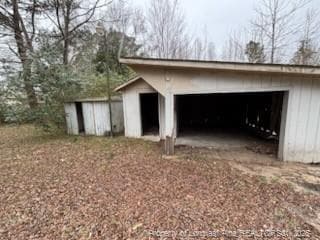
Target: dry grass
column 59, row 187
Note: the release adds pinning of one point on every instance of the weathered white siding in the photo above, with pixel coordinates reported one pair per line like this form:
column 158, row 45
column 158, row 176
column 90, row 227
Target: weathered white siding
column 162, row 117
column 303, row 122
column 89, row 118
column 95, row 117
column 131, row 108
column 71, row 118
column 102, row 119
column 117, row 117
column 300, row 130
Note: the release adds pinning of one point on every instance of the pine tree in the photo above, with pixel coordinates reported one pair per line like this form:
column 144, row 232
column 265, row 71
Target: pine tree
column 255, row 52
column 305, row 54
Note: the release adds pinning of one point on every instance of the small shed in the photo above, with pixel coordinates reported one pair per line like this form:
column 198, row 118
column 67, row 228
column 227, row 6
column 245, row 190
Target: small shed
column 91, row 116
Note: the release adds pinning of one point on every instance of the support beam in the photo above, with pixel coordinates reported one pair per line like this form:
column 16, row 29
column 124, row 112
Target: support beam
column 282, row 151
column 169, row 124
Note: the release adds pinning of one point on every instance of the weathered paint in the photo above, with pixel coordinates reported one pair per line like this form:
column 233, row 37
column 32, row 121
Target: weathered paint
column 96, row 117
column 303, row 122
column 131, row 108
column 101, row 118
column 89, row 118
column 117, row 117
column 162, row 117
column 300, row 138
column 71, row 118
column 237, row 67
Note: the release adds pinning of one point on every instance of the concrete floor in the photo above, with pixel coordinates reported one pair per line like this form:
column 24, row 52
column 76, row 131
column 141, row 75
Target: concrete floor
column 223, row 140
column 152, row 138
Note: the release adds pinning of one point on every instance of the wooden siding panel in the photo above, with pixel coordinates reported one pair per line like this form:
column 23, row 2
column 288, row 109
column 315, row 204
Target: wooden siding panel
column 132, row 113
column 316, row 150
column 71, row 118
column 162, row 118
column 266, row 82
column 89, row 119
column 315, row 124
column 302, row 120
column 101, row 118
column 293, row 113
column 117, row 117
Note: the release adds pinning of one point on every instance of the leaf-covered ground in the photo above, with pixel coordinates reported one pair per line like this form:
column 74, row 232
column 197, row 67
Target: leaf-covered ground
column 59, row 187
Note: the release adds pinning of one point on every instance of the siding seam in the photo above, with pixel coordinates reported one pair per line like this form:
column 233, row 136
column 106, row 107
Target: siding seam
column 308, row 120
column 297, row 119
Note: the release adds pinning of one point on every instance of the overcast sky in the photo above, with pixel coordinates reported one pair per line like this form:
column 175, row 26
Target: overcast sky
column 219, row 17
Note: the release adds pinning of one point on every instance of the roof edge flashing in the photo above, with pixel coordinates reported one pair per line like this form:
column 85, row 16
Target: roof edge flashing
column 224, row 66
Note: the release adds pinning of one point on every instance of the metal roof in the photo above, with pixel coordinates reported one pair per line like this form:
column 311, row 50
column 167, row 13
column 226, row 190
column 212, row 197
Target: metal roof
column 287, row 69
column 97, row 99
column 223, row 66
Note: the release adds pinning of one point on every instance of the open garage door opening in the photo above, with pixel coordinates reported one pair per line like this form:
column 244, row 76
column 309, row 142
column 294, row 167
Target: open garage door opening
column 227, row 120
column 149, row 114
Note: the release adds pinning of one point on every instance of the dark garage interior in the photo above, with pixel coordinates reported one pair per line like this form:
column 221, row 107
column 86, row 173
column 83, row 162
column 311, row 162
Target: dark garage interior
column 230, row 115
column 149, row 113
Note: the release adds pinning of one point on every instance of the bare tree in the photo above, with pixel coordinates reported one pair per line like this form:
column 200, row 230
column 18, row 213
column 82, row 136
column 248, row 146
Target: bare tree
column 123, row 17
column 167, row 30
column 18, row 21
column 201, row 48
column 307, row 52
column 234, row 48
column 211, row 52
column 198, row 49
column 68, row 16
column 126, row 19
column 276, row 20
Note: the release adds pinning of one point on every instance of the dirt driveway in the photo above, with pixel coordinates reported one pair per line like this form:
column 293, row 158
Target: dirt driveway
column 59, row 187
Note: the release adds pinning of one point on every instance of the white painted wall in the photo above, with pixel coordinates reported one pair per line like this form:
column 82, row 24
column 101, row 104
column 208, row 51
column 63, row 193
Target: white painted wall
column 162, row 117
column 117, row 117
column 89, row 118
column 96, row 118
column 71, row 118
column 300, row 132
column 131, row 108
column 302, row 135
column 101, row 118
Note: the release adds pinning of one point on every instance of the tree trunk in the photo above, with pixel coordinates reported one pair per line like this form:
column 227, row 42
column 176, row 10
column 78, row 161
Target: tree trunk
column 66, row 34
column 66, row 50
column 28, row 86
column 23, row 55
column 273, row 42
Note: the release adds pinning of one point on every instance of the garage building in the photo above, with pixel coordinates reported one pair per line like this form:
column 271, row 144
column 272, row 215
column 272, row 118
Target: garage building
column 194, row 101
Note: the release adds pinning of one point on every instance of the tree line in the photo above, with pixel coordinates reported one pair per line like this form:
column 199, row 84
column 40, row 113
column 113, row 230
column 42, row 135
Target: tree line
column 54, row 50
column 282, row 31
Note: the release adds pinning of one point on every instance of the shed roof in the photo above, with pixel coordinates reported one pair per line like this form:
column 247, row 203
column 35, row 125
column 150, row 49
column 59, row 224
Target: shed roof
column 124, row 85
column 97, row 99
column 288, row 69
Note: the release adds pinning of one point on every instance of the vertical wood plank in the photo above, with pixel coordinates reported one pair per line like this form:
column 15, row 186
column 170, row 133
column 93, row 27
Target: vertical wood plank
column 71, row 118
column 89, row 119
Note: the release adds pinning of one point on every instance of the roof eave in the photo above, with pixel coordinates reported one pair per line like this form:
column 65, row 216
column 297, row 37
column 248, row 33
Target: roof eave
column 126, row 84
column 224, row 66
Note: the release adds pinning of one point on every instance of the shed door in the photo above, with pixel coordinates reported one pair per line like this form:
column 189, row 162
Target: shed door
column 102, row 121
column 89, row 119
column 71, row 118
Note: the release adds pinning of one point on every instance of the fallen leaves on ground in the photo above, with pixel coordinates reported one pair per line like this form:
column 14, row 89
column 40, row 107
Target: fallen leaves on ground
column 60, row 187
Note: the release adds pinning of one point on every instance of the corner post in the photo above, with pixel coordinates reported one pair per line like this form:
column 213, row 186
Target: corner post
column 169, row 124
